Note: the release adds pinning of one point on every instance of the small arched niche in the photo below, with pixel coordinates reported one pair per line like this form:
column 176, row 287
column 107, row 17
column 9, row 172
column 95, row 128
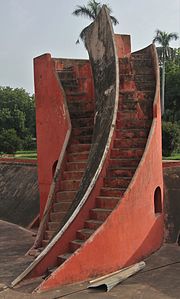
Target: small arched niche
column 54, row 167
column 157, row 201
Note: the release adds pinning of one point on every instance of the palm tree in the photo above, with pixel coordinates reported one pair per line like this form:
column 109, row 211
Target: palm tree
column 91, row 11
column 164, row 52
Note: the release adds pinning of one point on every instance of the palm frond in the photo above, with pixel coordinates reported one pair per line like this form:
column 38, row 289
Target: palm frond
column 91, row 11
column 82, row 35
column 114, row 20
column 164, row 38
column 173, row 35
column 83, row 11
column 94, row 7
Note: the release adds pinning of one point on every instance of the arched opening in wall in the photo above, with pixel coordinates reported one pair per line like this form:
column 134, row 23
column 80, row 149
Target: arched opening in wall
column 54, row 167
column 157, row 201
column 178, row 239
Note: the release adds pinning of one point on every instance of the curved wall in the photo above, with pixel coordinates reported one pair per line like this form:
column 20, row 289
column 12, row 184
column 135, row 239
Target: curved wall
column 52, row 122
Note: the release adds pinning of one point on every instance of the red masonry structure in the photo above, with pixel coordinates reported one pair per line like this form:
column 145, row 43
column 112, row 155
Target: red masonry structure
column 99, row 159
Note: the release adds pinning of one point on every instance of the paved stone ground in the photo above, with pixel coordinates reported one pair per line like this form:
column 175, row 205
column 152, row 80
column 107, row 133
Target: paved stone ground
column 159, row 280
column 14, row 243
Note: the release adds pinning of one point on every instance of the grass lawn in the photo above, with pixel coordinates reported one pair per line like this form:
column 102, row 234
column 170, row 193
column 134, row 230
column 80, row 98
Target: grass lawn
column 26, row 154
column 173, row 157
column 33, row 155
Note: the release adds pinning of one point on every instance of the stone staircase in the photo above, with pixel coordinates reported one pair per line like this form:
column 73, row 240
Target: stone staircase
column 82, row 115
column 134, row 118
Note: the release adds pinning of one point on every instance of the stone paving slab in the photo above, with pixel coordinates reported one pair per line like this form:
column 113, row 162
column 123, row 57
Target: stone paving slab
column 15, row 241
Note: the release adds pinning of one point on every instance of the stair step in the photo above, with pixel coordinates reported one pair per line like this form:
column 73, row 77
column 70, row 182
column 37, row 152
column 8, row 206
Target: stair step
column 72, row 175
column 127, row 106
column 57, row 216
column 127, row 95
column 112, row 192
column 49, row 271
column 82, row 122
column 144, row 77
column 45, row 243
column 77, row 157
column 107, row 202
column 117, row 182
column 69, row 185
column 139, row 56
column 133, row 123
column 53, row 225
column 100, row 214
column 145, row 95
column 132, row 133
column 137, row 63
column 145, row 70
column 80, row 95
column 80, row 114
column 80, row 106
column 66, row 76
column 79, row 147
column 82, row 139
column 125, row 66
column 65, row 195
column 126, row 84
column 92, row 223
column 146, row 107
column 83, row 131
column 63, row 257
column 74, row 166
column 75, row 94
column 69, row 79
column 61, row 206
column 76, row 244
column 70, row 88
column 127, row 153
column 125, row 76
column 49, row 234
column 124, row 172
column 124, row 162
column 84, row 234
column 129, row 98
column 27, row 286
column 70, row 82
column 145, row 85
column 127, row 115
column 130, row 142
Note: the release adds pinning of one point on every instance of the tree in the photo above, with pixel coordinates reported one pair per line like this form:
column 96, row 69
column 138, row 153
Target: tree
column 9, row 141
column 172, row 90
column 170, row 138
column 17, row 112
column 164, row 38
column 91, row 11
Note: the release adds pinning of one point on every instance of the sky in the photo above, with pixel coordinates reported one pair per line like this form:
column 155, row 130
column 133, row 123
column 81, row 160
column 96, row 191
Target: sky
column 29, row 28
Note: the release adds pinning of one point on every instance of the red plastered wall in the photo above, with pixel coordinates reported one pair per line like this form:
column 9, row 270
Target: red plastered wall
column 52, row 122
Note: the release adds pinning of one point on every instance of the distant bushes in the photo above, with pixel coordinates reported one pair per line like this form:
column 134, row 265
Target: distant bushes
column 17, row 120
column 170, row 138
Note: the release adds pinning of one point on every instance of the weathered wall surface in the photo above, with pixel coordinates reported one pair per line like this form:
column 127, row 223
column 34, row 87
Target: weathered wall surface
column 52, row 122
column 100, row 43
column 19, row 195
column 172, row 203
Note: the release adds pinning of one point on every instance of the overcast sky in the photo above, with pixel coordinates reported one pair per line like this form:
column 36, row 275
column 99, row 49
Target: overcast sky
column 29, row 28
